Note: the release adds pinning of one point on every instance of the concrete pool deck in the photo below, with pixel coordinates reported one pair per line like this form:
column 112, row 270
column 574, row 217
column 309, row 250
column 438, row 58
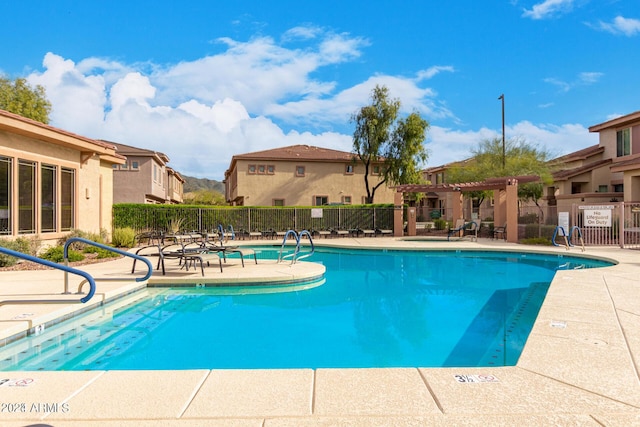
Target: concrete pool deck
column 580, row 366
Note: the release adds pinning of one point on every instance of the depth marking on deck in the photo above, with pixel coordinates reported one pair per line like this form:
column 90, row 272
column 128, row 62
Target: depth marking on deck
column 482, row 378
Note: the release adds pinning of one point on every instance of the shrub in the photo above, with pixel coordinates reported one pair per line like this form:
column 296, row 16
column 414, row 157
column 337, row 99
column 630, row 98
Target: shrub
column 435, row 214
column 56, row 254
column 537, row 241
column 124, row 237
column 20, row 244
column 440, row 224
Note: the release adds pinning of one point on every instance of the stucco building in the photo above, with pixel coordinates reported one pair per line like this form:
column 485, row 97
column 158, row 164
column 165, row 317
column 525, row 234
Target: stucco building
column 52, row 181
column 145, row 177
column 300, row 175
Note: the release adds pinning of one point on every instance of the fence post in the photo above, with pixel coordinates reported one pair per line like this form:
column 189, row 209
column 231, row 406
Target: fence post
column 621, row 226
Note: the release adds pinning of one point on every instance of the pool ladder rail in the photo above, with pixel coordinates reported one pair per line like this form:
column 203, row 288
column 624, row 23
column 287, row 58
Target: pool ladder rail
column 567, row 237
column 298, row 237
column 87, row 277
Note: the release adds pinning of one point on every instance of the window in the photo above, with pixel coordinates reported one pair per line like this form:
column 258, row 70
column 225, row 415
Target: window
column 300, row 170
column 135, row 165
column 603, row 188
column 271, row 170
column 348, row 169
column 67, row 197
column 125, row 166
column 618, row 188
column 5, row 195
column 439, row 178
column 48, row 198
column 252, row 169
column 320, row 200
column 262, row 169
column 376, row 170
column 623, row 142
column 278, row 202
column 26, row 197
column 346, row 200
column 115, row 167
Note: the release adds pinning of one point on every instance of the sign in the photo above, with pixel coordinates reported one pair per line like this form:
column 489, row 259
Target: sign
column 596, row 207
column 316, row 213
column 563, row 221
column 597, row 217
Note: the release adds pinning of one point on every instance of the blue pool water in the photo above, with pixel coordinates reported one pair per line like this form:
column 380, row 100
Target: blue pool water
column 375, row 309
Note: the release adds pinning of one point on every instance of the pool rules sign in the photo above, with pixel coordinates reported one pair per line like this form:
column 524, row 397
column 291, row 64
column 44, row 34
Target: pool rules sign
column 597, row 216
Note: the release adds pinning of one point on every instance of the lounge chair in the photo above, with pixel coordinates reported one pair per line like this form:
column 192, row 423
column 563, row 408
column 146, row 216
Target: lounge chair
column 187, row 256
column 384, row 231
column 340, row 232
column 367, row 232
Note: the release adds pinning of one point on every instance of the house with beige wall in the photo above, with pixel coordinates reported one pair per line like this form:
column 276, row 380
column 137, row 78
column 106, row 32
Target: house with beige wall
column 603, row 173
column 300, row 175
column 52, row 181
column 145, row 177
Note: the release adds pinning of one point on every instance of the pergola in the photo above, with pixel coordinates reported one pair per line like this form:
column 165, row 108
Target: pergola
column 505, row 190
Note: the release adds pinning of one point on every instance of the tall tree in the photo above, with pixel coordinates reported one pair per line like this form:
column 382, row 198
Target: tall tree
column 380, row 138
column 18, row 97
column 521, row 158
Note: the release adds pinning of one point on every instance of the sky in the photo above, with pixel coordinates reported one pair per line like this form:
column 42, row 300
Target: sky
column 203, row 80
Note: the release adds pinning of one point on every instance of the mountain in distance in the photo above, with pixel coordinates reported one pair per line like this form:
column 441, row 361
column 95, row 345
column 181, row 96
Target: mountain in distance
column 194, row 184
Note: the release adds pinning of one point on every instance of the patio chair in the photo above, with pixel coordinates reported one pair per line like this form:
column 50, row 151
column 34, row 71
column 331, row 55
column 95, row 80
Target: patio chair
column 500, row 231
column 457, row 230
column 473, row 229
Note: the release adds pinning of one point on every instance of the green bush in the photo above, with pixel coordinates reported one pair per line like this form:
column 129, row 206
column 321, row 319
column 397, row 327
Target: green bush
column 439, row 224
column 56, row 254
column 79, row 246
column 435, row 214
column 20, row 244
column 124, row 237
column 537, row 241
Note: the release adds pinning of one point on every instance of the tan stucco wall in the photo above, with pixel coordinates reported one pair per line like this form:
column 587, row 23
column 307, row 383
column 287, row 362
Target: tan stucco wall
column 92, row 213
column 320, row 179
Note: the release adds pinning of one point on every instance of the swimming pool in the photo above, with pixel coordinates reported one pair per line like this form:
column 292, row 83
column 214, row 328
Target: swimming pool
column 375, row 309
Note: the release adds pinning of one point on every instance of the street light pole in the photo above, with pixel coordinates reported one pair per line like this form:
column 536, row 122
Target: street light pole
column 503, row 143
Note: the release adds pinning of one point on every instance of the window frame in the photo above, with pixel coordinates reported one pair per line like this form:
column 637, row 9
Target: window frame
column 316, row 197
column 623, row 142
column 304, row 171
column 347, row 171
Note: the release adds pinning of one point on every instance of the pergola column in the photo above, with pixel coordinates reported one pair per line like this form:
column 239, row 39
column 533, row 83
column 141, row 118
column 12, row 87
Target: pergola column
column 512, row 210
column 398, row 223
column 456, row 199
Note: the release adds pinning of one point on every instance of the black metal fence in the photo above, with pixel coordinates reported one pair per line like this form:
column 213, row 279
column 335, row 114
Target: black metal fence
column 191, row 218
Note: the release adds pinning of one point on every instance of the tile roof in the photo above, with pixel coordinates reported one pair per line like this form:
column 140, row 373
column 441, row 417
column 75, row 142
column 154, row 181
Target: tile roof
column 629, row 164
column 627, row 119
column 568, row 173
column 128, row 150
column 298, row 152
column 31, row 122
column 580, row 154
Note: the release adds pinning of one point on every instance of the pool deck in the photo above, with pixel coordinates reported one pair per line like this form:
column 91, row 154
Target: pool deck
column 580, row 366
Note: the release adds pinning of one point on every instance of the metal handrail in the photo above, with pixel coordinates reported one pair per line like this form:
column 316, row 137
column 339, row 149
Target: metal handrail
column 564, row 234
column 108, row 248
column 575, row 227
column 304, row 233
column 65, row 268
column 298, row 236
column 284, row 241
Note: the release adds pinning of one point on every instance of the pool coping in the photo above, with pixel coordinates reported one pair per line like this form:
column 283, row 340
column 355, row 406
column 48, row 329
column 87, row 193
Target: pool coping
column 579, row 367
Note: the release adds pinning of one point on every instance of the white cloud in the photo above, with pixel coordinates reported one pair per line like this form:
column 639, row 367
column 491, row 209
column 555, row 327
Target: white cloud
column 202, row 112
column 448, row 145
column 621, row 25
column 548, row 9
column 582, row 79
column 432, row 71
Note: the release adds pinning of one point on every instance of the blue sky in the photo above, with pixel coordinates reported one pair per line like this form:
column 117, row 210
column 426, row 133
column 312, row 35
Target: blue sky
column 203, row 80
